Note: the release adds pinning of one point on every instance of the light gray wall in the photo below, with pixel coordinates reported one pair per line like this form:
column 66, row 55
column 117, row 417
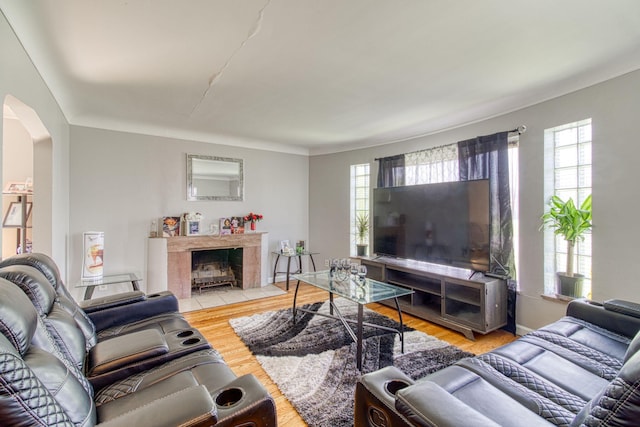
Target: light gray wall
column 614, row 107
column 20, row 79
column 121, row 181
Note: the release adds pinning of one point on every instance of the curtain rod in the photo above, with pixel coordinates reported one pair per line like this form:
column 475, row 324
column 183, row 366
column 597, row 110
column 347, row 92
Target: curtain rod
column 519, row 130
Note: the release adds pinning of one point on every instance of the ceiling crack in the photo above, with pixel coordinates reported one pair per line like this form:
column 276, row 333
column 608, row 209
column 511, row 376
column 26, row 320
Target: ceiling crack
column 215, row 77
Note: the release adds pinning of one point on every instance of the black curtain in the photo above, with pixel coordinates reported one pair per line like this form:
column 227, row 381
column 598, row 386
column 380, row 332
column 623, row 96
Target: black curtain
column 486, row 157
column 391, row 171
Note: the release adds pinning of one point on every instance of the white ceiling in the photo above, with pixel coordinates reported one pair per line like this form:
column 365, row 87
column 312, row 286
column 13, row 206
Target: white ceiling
column 317, row 76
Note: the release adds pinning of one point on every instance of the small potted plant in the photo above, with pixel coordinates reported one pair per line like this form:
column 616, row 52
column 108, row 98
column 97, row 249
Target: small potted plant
column 571, row 222
column 362, row 232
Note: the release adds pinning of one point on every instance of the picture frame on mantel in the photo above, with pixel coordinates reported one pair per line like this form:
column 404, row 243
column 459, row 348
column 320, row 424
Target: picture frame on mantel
column 170, row 226
column 192, row 228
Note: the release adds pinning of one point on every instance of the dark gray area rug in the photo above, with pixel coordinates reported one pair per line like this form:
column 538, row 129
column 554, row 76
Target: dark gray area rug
column 313, row 362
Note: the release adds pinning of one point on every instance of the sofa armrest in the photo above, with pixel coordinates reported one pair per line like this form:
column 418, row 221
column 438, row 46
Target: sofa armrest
column 115, row 300
column 118, row 352
column 192, row 406
column 375, row 397
column 428, row 404
column 598, row 315
column 245, row 401
column 153, row 305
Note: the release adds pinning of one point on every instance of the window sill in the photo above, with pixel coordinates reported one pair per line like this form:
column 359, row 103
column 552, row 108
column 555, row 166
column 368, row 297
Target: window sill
column 561, row 299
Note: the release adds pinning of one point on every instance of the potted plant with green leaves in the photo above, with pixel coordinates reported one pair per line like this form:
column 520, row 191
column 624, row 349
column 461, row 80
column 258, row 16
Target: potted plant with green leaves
column 571, row 222
column 362, row 232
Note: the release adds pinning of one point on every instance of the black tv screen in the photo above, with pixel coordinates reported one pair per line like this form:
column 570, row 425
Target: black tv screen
column 445, row 223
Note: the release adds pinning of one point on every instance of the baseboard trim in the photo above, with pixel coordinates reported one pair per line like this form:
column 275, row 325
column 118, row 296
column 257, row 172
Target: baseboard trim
column 523, row 330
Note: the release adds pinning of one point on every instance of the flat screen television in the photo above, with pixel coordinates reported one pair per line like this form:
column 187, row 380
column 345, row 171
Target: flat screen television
column 444, row 223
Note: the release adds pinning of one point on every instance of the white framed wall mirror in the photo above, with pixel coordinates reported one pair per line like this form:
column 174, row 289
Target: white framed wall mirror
column 214, row 178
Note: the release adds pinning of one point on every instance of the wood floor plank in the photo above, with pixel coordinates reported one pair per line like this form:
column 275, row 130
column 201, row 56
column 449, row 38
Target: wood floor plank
column 213, row 323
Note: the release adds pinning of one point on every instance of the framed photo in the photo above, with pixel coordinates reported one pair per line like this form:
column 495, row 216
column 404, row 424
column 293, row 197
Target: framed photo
column 225, row 226
column 285, row 248
column 93, row 250
column 170, row 226
column 193, row 227
column 237, row 225
column 13, row 217
column 16, row 187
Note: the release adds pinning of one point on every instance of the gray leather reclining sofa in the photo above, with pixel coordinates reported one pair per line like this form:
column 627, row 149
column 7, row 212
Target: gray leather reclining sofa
column 583, row 370
column 125, row 360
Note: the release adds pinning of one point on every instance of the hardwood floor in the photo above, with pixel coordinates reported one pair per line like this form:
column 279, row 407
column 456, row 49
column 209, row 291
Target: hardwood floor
column 213, row 323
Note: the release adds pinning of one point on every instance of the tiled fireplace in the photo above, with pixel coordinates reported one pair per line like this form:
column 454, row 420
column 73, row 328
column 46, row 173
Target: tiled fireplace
column 171, row 266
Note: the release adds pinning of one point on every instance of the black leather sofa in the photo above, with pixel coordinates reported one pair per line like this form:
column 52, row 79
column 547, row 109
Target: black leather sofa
column 583, row 370
column 59, row 368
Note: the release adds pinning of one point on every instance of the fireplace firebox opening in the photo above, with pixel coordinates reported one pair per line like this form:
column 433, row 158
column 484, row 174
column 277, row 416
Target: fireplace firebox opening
column 216, row 267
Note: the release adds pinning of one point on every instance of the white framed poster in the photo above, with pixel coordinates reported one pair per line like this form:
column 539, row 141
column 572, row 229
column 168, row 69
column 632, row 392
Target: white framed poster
column 92, row 254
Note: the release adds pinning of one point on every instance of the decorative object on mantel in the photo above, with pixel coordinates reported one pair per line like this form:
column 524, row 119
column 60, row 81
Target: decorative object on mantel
column 92, row 254
column 192, row 223
column 253, row 218
column 214, row 229
column 237, row 225
column 571, row 222
column 170, row 226
column 225, row 226
column 153, row 229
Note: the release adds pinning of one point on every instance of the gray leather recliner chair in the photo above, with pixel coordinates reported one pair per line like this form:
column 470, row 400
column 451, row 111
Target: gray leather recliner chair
column 39, row 385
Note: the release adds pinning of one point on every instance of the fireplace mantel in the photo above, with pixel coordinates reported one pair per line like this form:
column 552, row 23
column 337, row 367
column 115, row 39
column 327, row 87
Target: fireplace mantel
column 169, row 263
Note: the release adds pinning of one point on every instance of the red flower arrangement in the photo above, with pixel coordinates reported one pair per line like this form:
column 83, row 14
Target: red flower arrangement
column 253, row 217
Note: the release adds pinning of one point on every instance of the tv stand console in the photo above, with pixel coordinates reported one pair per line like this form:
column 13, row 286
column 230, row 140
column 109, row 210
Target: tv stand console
column 457, row 298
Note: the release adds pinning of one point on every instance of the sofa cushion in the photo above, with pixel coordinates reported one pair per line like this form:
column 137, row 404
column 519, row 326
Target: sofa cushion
column 578, row 378
column 582, row 337
column 479, row 394
column 20, row 388
column 18, row 318
column 625, row 307
column 532, row 391
column 617, row 404
column 64, row 387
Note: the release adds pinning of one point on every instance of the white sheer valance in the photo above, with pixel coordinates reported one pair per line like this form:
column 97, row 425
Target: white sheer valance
column 438, row 164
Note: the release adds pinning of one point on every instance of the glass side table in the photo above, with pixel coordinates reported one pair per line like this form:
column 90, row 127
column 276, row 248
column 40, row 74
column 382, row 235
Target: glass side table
column 298, row 257
column 106, row 280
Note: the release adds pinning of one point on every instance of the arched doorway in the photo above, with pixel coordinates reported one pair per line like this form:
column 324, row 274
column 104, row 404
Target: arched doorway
column 22, row 122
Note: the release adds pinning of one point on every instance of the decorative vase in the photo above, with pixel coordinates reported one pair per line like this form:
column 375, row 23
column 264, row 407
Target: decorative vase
column 253, row 226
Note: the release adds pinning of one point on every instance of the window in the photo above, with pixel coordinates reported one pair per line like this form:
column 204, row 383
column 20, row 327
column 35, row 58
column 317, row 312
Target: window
column 567, row 175
column 438, row 164
column 359, row 202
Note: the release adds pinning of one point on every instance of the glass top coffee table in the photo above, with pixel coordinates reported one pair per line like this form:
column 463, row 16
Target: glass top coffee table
column 360, row 291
